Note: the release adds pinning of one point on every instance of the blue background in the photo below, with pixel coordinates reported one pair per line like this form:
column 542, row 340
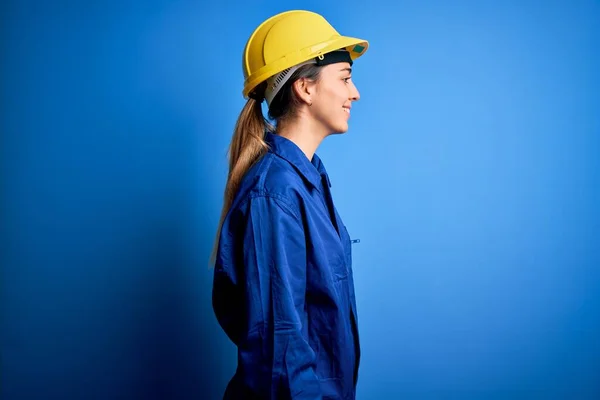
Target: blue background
column 470, row 174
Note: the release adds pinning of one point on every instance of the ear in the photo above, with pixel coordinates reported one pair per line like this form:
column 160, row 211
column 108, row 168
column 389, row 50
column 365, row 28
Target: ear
column 304, row 90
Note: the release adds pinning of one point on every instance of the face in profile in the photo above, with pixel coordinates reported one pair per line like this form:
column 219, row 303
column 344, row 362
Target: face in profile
column 334, row 93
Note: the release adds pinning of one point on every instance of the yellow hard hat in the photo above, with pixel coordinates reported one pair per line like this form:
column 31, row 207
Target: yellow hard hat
column 288, row 39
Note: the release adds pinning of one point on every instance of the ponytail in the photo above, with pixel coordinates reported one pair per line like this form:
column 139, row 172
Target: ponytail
column 247, row 146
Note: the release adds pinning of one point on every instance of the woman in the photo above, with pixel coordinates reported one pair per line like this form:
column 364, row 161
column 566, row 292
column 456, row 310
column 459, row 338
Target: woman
column 283, row 289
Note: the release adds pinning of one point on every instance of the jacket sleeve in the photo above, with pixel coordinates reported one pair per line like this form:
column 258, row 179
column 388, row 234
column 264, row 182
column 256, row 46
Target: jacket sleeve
column 276, row 350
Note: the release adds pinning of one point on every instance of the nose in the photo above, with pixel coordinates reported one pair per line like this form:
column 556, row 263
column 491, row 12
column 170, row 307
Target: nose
column 354, row 94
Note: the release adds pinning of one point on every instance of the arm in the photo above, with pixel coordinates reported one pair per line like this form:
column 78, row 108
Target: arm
column 275, row 350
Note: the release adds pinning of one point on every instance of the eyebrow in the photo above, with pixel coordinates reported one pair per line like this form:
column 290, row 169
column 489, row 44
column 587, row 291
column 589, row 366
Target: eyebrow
column 346, row 69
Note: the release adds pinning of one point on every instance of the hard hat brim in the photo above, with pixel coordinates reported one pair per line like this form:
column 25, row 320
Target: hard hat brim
column 356, row 47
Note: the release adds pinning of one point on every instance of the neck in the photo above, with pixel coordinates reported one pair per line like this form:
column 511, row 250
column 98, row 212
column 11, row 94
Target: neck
column 305, row 133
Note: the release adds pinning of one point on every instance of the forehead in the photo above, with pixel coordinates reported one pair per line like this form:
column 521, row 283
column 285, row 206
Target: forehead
column 336, row 69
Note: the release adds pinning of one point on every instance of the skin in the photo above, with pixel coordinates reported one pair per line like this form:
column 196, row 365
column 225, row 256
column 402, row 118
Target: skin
column 325, row 107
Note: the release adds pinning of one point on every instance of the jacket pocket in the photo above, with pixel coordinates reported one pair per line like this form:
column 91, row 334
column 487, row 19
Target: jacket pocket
column 339, row 268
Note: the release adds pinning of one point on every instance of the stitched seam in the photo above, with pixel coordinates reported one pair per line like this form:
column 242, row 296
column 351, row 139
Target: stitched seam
column 281, row 200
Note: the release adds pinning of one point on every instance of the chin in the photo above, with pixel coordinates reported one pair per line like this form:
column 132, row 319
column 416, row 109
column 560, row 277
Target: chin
column 338, row 132
column 340, row 129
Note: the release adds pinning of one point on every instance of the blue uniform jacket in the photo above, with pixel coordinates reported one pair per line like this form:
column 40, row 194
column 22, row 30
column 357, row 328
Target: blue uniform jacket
column 283, row 289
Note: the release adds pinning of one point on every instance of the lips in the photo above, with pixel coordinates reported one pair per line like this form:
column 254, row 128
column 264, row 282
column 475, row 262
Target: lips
column 346, row 109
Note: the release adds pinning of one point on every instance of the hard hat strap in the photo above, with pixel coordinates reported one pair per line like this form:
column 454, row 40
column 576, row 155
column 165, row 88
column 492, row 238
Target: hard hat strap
column 334, row 57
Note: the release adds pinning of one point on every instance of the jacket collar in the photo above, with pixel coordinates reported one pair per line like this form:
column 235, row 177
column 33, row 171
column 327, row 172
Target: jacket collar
column 312, row 171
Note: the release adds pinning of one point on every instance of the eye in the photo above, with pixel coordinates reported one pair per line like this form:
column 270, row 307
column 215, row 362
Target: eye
column 346, row 80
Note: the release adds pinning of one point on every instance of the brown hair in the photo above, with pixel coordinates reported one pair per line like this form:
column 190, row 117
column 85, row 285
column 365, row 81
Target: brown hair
column 248, row 142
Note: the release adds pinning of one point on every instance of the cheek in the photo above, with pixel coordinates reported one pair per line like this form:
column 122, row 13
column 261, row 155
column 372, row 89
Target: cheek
column 335, row 96
column 331, row 98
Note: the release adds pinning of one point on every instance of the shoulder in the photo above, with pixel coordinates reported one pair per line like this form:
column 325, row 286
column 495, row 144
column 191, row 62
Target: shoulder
column 274, row 178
